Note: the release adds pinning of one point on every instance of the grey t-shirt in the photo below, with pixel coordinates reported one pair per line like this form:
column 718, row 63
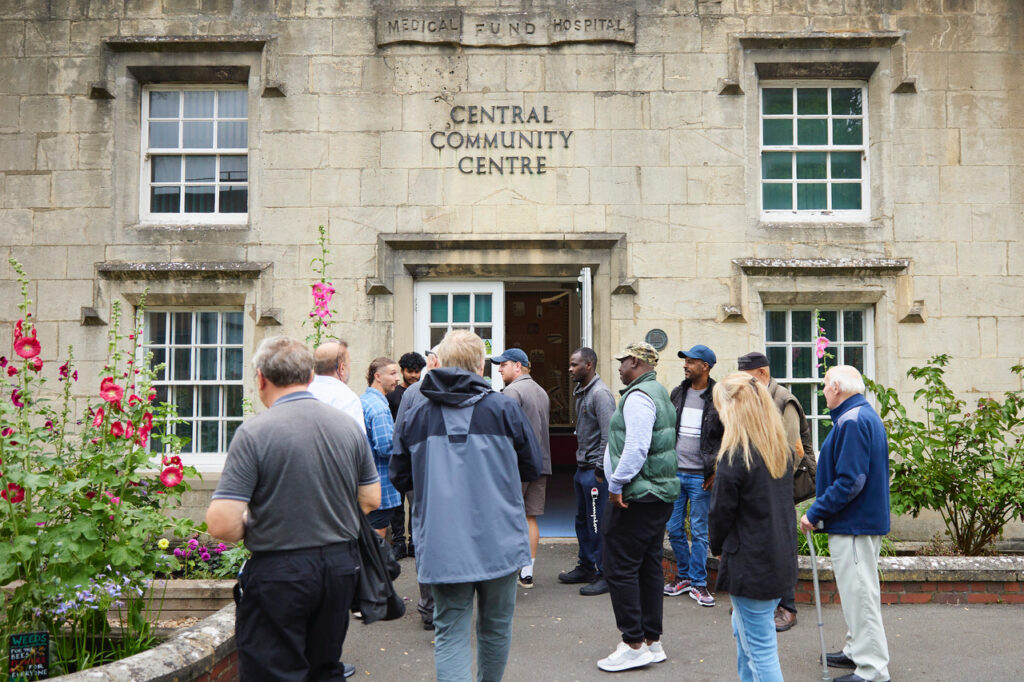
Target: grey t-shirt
column 688, row 457
column 299, row 467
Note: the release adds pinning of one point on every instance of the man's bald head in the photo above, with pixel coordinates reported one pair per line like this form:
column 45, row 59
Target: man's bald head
column 331, row 359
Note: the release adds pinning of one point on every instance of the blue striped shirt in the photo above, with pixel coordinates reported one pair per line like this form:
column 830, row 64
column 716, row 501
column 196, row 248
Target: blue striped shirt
column 380, row 428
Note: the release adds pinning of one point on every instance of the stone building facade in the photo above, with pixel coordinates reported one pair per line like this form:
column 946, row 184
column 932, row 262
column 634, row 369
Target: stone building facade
column 550, row 174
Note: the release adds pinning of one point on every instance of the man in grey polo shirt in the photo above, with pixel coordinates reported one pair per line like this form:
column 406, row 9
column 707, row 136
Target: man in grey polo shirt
column 294, row 484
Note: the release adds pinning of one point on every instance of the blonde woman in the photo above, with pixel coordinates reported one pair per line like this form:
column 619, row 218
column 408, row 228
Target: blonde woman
column 751, row 521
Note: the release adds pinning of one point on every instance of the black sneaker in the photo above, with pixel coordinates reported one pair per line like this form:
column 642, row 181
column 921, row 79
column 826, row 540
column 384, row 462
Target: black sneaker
column 399, row 551
column 525, row 581
column 428, row 625
column 599, row 586
column 577, row 575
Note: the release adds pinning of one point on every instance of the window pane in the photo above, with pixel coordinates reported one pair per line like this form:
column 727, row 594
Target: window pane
column 846, row 102
column 234, row 169
column 233, row 401
column 853, row 325
column 775, row 326
column 482, row 308
column 182, row 370
column 232, row 104
column 803, row 393
column 156, row 328
column 208, row 437
column 824, row 426
column 232, row 327
column 166, row 169
column 460, row 308
column 198, row 135
column 812, row 101
column 199, row 199
column 163, row 135
column 208, row 364
column 161, row 396
column 830, row 323
column 163, row 104
column 778, row 131
column 159, row 358
column 436, row 334
column 777, row 361
column 438, row 308
column 186, row 431
column 776, row 101
column 229, row 431
column 777, row 165
column 846, row 196
column 811, row 165
column 199, row 103
column 803, row 325
column 182, row 329
column 209, row 401
column 777, row 196
column 183, row 400
column 803, row 362
column 165, row 200
column 200, row 168
column 809, row 131
column 847, row 131
column 207, row 327
column 485, row 333
column 234, row 199
column 846, row 165
column 808, row 197
column 232, row 134
column 854, row 355
column 232, row 364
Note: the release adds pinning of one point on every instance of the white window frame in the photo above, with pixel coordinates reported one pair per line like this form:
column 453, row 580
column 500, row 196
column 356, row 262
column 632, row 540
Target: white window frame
column 423, row 325
column 815, row 215
column 145, row 183
column 204, row 461
column 817, row 373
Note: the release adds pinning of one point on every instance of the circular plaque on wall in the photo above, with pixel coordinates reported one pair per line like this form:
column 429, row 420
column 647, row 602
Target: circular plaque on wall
column 657, row 338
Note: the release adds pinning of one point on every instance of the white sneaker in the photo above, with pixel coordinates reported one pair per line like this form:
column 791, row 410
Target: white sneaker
column 626, row 657
column 657, row 652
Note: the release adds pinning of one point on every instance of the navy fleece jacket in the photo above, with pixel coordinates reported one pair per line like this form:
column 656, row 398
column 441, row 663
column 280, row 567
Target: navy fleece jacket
column 852, row 486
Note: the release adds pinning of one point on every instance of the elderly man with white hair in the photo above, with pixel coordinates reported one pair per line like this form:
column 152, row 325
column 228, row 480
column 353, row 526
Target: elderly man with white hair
column 852, row 506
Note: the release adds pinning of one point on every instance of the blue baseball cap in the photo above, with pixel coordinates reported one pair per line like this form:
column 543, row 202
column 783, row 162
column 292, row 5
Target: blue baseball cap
column 700, row 352
column 513, row 355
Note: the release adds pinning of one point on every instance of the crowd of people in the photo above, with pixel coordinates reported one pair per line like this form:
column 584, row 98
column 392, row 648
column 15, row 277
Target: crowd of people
column 712, row 463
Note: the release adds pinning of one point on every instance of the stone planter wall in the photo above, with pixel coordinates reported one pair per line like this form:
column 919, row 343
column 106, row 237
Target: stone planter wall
column 913, row 580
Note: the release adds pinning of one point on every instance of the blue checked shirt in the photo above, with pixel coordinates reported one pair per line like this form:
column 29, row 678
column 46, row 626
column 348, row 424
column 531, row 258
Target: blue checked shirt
column 380, row 429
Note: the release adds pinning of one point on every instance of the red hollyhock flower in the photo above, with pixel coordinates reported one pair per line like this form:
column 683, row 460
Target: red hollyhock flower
column 3, row 360
column 97, row 418
column 35, row 364
column 17, row 329
column 134, row 400
column 14, row 493
column 117, row 429
column 110, row 391
column 171, row 476
column 16, row 398
column 12, row 370
column 129, row 430
column 27, row 346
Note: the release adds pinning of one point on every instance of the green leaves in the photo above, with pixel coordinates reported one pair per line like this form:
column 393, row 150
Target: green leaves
column 966, row 465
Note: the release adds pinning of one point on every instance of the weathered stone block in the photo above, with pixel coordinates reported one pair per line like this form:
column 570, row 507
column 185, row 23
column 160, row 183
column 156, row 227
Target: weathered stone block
column 286, row 188
column 567, row 110
column 708, row 147
column 1002, row 147
column 617, row 111
column 596, row 72
column 17, row 224
column 722, row 112
column 524, row 73
column 961, row 295
column 927, row 147
column 916, row 184
column 46, row 38
column 335, row 187
column 639, row 148
column 573, row 186
column 72, row 189
column 973, row 184
column 615, row 185
column 292, row 113
column 675, row 110
column 715, row 185
column 56, row 151
column 639, row 72
column 923, row 110
column 663, row 185
column 360, row 112
column 24, row 76
column 592, row 148
column 295, row 150
column 930, row 258
column 354, row 36
column 354, row 150
column 384, row 187
column 426, row 186
column 431, row 74
column 44, row 114
column 27, row 191
column 401, row 150
column 986, row 71
column 95, row 151
column 486, row 73
column 560, row 73
column 306, row 37
column 668, row 34
column 985, row 109
column 997, row 222
column 928, row 222
column 695, row 72
column 981, row 258
column 959, row 337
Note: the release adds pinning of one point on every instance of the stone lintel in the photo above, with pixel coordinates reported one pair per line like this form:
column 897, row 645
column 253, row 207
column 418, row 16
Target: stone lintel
column 228, row 43
column 823, row 297
column 818, row 40
column 826, row 70
column 190, row 74
column 502, row 270
column 569, row 241
column 181, row 270
column 821, row 266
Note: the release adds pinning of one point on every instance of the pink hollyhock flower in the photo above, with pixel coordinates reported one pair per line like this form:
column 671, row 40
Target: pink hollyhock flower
column 820, row 344
column 17, row 329
column 6, row 432
column 14, row 493
column 171, row 476
column 74, row 375
column 97, row 418
column 172, row 461
column 27, row 347
column 114, row 499
column 35, row 363
column 48, row 424
column 152, row 395
column 3, row 360
column 117, row 429
column 12, row 370
column 110, row 391
column 134, row 400
column 63, row 371
column 16, row 398
column 129, row 430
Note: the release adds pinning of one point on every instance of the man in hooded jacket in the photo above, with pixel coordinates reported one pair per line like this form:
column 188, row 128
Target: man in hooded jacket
column 465, row 450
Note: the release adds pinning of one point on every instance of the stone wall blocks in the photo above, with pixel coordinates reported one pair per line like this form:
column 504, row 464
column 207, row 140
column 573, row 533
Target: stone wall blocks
column 928, row 146
column 997, row 222
column 639, row 72
column 1001, row 147
column 560, row 73
column 663, row 185
column 985, row 109
column 305, row 37
column 556, row 218
column 71, row 226
column 694, row 72
column 354, row 36
column 27, row 191
column 715, row 185
column 929, row 222
column 679, row 33
column 974, row 295
column 426, row 186
column 916, row 184
column 568, row 110
column 959, row 335
column 675, row 110
column 24, row 76
column 56, row 152
column 486, row 73
column 54, row 303
column 621, row 111
column 722, row 112
column 384, row 187
column 17, row 152
column 589, row 218
column 639, row 148
column 360, row 113
column 73, row 189
column 17, row 226
column 430, row 74
column 335, row 187
column 335, row 75
column 1009, row 332
column 983, row 259
column 354, row 150
column 425, row 111
column 12, row 39
column 401, row 150
column 49, row 38
column 295, row 150
column 923, row 110
column 930, row 258
column 86, row 36
column 707, row 147
column 596, row 72
column 286, row 188
column 592, row 148
column 521, row 218
column 95, row 151
column 524, row 73
column 573, row 186
column 45, row 114
column 616, row 185
column 973, row 184
column 714, row 33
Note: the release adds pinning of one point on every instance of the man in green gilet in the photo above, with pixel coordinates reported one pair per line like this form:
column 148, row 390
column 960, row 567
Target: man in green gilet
column 642, row 486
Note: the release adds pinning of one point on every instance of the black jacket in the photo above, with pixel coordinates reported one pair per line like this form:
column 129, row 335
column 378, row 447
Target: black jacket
column 710, row 426
column 375, row 594
column 752, row 526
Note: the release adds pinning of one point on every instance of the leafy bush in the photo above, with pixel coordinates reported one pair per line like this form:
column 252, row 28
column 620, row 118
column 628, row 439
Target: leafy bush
column 968, row 466
column 81, row 501
column 193, row 559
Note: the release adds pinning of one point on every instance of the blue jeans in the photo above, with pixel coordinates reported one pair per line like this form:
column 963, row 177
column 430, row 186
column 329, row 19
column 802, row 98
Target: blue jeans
column 692, row 556
column 453, row 618
column 757, row 648
column 589, row 510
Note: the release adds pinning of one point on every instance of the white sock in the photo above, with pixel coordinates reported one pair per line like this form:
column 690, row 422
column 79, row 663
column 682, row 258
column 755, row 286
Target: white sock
column 527, row 571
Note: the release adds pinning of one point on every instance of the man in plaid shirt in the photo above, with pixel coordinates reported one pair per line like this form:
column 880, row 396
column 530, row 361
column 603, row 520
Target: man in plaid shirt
column 381, row 379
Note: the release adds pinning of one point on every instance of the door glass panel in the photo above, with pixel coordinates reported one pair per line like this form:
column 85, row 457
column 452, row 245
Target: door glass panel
column 482, row 310
column 438, row 308
column 436, row 334
column 460, row 308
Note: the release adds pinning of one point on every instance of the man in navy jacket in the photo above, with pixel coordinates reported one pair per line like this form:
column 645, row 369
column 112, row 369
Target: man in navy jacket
column 852, row 506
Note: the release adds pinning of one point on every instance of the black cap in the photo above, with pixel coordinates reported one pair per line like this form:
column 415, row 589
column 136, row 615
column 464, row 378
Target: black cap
column 752, row 360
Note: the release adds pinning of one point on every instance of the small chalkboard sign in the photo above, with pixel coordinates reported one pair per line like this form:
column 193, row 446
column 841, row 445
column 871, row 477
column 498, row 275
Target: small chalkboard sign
column 29, row 657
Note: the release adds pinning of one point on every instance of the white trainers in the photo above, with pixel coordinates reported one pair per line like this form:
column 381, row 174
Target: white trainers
column 626, row 657
column 657, row 652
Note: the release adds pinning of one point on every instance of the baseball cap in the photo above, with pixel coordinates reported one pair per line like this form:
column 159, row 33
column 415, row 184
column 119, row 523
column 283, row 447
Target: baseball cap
column 752, row 360
column 700, row 352
column 513, row 355
column 641, row 351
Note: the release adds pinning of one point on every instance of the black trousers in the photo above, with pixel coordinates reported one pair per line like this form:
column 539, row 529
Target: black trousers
column 398, row 522
column 292, row 616
column 633, row 548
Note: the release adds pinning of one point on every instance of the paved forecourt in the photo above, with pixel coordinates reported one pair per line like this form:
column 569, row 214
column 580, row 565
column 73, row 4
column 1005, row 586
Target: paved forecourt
column 558, row 636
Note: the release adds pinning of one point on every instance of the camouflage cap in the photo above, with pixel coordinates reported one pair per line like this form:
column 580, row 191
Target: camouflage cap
column 641, row 351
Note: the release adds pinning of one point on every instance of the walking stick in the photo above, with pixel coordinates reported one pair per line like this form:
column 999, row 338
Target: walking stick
column 817, row 604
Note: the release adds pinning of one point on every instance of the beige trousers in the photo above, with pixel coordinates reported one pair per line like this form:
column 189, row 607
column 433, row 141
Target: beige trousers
column 855, row 564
